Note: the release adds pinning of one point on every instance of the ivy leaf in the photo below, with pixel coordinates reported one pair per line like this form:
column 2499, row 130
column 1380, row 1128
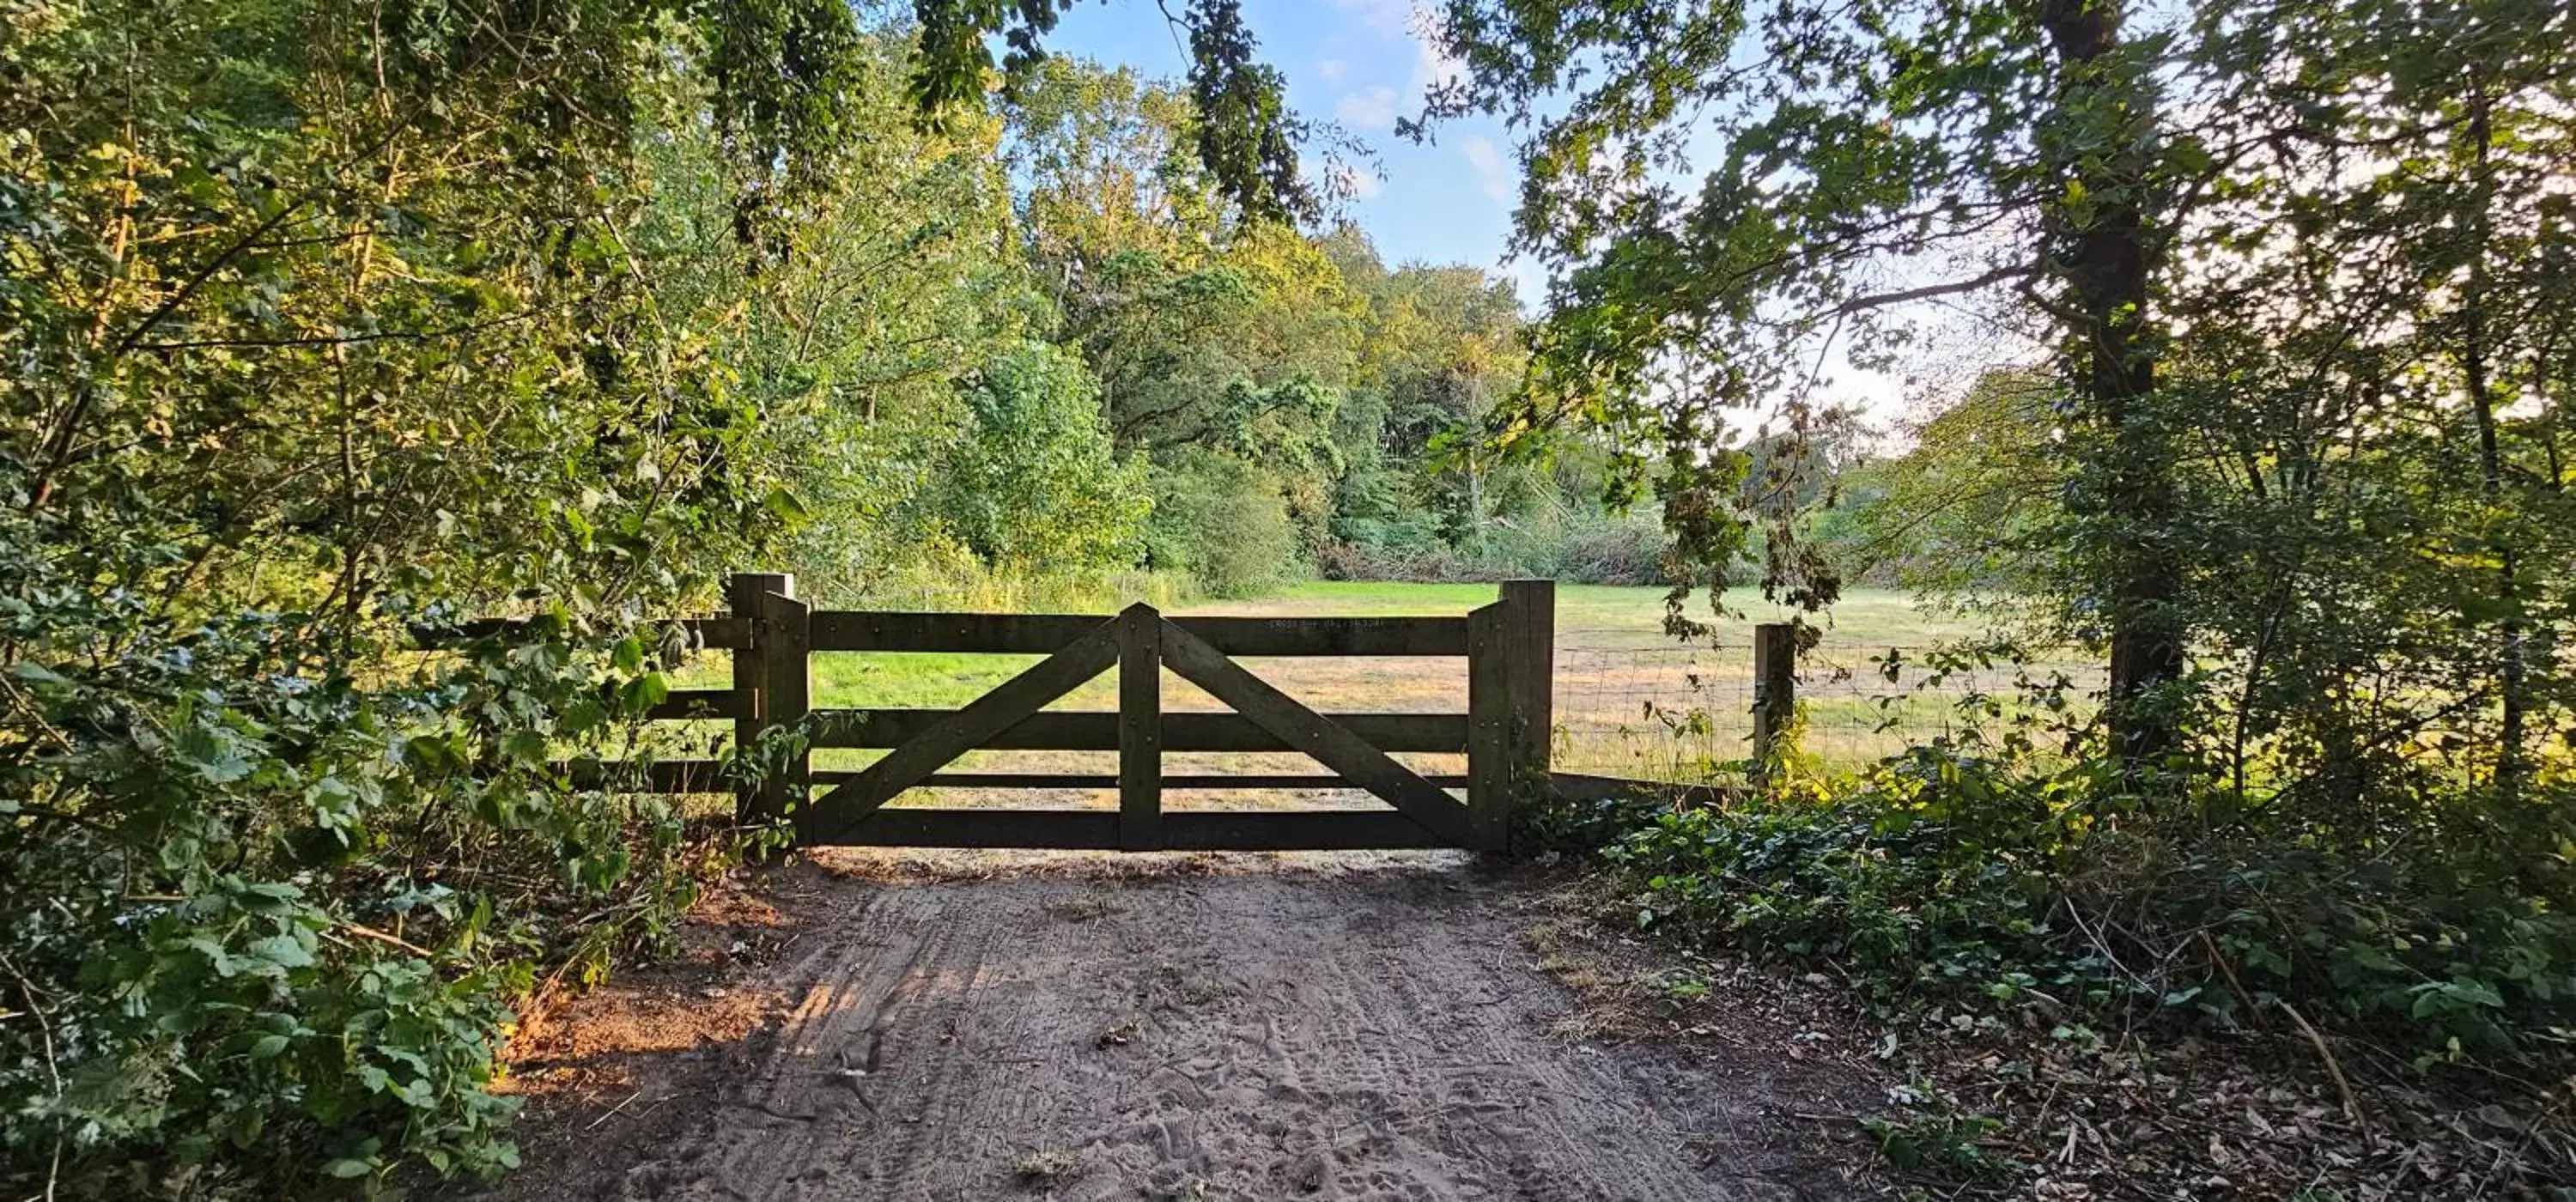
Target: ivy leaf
column 787, row 507
column 285, row 952
column 218, row 759
column 525, row 746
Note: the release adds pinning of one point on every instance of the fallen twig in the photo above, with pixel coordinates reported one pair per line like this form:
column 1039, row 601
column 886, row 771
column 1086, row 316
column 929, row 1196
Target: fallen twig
column 612, row 1111
column 2334, row 1067
column 367, row 932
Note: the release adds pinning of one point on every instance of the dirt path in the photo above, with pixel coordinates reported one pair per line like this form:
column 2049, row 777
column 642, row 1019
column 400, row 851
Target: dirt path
column 1195, row 1029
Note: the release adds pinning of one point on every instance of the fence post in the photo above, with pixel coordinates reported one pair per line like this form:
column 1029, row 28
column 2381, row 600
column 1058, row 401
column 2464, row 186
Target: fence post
column 1528, row 630
column 1140, row 729
column 1775, row 690
column 743, row 591
column 1489, row 724
column 770, row 682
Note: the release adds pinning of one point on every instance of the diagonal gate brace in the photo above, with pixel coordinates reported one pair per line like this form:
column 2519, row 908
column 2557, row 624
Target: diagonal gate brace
column 838, row 813
column 1328, row 741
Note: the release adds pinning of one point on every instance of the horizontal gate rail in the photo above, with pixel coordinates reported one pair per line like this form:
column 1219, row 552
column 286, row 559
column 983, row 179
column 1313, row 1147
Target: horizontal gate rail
column 1183, row 830
column 1097, row 730
column 831, row 815
column 1045, row 634
column 656, row 776
column 701, row 703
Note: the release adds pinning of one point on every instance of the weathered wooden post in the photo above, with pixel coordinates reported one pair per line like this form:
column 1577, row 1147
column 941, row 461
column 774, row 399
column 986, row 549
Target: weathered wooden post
column 1526, row 626
column 1140, row 729
column 1489, row 725
column 771, row 683
column 1775, row 690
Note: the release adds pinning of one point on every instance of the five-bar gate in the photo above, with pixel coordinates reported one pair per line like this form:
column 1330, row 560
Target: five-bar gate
column 1504, row 733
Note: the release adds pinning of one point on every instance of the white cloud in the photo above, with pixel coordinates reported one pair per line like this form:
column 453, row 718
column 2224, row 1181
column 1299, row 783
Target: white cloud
column 1332, row 70
column 1379, row 16
column 1373, row 108
column 1493, row 174
column 1363, row 183
column 1431, row 67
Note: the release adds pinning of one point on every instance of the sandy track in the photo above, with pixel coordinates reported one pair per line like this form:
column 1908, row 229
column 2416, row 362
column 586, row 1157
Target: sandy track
column 1333, row 1032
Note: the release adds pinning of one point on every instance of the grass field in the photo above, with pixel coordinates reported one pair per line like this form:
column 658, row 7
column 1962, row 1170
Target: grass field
column 1630, row 699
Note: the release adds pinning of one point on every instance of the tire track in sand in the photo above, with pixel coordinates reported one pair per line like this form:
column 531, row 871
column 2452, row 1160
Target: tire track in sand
column 1342, row 1034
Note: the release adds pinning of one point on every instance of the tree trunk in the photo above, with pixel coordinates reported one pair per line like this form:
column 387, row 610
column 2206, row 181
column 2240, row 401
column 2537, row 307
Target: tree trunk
column 2105, row 250
column 2477, row 376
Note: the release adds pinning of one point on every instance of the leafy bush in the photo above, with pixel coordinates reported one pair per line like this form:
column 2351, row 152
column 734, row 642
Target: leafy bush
column 1033, row 482
column 1224, row 523
column 1574, row 547
column 268, row 917
column 1982, row 886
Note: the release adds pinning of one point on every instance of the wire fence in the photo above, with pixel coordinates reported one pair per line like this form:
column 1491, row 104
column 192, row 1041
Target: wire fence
column 1686, row 713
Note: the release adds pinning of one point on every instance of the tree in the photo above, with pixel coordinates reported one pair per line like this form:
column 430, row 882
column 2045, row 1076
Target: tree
column 1870, row 151
column 1971, row 506
column 2082, row 177
column 849, row 330
column 1247, row 138
column 1034, row 482
column 321, row 319
column 1442, row 351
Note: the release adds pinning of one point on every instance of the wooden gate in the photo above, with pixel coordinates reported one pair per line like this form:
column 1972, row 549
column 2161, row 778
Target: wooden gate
column 1504, row 733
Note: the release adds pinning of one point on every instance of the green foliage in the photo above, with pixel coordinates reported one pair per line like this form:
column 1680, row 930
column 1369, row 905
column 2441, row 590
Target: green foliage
column 1980, row 888
column 1034, row 481
column 323, row 319
column 1365, row 396
column 1247, row 138
column 1968, row 508
column 269, row 918
column 2295, row 474
column 1547, row 825
column 1225, row 524
column 1943, row 1140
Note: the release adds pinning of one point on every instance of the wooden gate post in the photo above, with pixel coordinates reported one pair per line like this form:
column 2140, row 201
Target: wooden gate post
column 1489, row 725
column 1140, row 729
column 771, row 683
column 1775, row 690
column 1528, row 630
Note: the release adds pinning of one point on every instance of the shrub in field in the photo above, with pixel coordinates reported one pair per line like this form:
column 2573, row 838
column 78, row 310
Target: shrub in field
column 1033, row 481
column 1574, row 547
column 1223, row 522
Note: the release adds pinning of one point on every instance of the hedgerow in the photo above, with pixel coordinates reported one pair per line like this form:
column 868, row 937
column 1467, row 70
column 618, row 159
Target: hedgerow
column 1943, row 882
column 269, row 918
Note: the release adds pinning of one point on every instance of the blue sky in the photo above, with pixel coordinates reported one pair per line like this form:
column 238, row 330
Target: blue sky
column 1359, row 63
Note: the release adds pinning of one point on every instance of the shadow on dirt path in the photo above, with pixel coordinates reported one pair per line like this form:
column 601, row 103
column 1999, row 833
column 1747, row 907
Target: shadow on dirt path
column 1203, row 1027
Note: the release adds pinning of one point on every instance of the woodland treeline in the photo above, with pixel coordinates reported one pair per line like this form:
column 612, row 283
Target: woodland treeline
column 327, row 323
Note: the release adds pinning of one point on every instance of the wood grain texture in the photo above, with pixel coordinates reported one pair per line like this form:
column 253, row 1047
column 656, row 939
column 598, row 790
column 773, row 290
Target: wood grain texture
column 1489, row 725
column 1097, row 730
column 1140, row 729
column 1097, row 830
column 1043, row 634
